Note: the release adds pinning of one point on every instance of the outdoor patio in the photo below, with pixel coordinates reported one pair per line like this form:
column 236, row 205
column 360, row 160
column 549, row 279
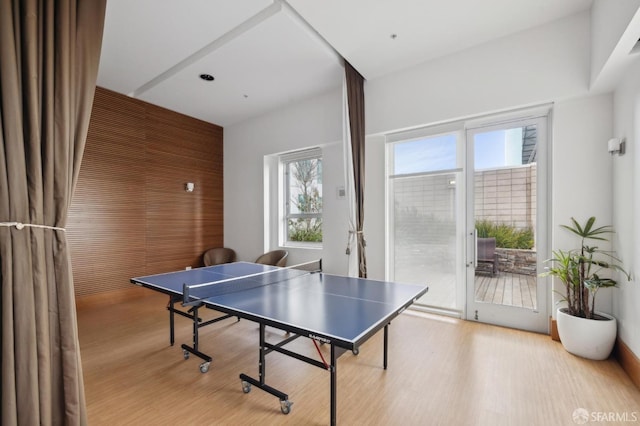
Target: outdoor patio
column 507, row 288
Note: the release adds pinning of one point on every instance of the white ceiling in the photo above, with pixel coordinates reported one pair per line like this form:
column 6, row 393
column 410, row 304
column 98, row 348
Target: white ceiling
column 267, row 53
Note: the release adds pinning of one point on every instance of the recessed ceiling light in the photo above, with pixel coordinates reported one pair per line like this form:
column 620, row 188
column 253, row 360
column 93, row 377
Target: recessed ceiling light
column 207, row 77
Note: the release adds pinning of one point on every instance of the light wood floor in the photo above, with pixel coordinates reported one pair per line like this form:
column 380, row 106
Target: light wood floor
column 442, row 371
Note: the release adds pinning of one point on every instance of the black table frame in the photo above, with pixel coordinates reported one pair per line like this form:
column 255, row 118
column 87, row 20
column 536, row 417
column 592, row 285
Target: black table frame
column 338, row 345
column 336, row 352
column 197, row 322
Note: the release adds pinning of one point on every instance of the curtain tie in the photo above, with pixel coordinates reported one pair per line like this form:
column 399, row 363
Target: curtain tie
column 21, row 226
column 361, row 240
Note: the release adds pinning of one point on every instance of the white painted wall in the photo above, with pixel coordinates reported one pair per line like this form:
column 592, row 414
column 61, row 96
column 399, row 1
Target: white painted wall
column 581, row 172
column 581, row 164
column 317, row 122
column 626, row 205
column 545, row 64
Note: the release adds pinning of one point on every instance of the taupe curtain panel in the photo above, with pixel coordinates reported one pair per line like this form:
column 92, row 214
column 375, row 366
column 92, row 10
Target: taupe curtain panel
column 355, row 101
column 49, row 54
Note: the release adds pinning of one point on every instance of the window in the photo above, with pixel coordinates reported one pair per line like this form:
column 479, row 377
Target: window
column 302, row 195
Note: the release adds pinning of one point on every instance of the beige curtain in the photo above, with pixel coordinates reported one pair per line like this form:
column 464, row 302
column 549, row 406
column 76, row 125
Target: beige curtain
column 355, row 105
column 49, row 53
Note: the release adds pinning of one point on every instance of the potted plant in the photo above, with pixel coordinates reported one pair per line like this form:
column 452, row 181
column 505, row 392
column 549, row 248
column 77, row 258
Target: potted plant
column 583, row 331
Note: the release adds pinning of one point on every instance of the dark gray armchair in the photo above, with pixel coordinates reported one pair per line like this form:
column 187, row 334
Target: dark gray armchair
column 218, row 255
column 487, row 253
column 274, row 258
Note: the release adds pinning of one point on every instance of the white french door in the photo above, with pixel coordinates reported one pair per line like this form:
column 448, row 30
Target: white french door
column 506, row 238
column 445, row 182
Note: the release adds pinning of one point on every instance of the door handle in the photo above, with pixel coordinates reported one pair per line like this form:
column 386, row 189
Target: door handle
column 475, row 248
column 473, row 255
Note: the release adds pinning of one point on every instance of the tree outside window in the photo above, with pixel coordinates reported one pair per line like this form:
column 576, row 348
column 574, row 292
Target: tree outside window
column 304, row 200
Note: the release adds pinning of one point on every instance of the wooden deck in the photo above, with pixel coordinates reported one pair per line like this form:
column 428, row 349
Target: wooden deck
column 507, row 289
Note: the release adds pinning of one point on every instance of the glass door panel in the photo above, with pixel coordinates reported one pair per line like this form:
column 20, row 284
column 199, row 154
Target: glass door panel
column 425, row 229
column 503, row 237
column 424, row 218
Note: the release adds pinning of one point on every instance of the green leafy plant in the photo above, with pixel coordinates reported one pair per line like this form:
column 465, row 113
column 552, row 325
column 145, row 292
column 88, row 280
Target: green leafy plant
column 507, row 236
column 580, row 269
column 308, row 230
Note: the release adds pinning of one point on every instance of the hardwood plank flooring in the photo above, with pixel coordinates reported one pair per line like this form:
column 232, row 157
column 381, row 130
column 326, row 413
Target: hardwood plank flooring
column 442, row 371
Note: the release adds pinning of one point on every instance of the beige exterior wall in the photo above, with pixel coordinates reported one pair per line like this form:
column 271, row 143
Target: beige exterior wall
column 507, row 195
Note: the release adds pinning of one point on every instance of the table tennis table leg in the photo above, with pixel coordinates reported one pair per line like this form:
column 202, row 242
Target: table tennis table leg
column 386, row 345
column 204, row 367
column 262, row 367
column 172, row 300
column 247, row 381
column 334, row 384
column 172, row 311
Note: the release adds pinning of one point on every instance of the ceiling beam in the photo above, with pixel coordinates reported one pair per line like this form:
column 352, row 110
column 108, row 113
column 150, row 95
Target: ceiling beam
column 227, row 37
column 297, row 18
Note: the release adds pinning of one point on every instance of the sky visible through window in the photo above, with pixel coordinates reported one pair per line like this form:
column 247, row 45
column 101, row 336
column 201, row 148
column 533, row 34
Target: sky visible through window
column 425, row 155
column 499, row 148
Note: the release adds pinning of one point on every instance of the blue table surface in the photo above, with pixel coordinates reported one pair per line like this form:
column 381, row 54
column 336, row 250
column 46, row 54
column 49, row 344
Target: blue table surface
column 345, row 308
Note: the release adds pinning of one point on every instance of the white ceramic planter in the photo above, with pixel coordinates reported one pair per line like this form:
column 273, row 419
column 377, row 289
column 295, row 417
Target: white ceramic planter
column 592, row 339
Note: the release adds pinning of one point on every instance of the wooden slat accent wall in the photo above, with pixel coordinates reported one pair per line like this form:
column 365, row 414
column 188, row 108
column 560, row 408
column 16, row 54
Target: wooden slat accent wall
column 130, row 214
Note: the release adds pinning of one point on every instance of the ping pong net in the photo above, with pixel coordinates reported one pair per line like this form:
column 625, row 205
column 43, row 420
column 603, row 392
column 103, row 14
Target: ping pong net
column 193, row 294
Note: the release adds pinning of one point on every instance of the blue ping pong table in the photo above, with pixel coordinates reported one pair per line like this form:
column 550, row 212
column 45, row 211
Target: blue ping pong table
column 343, row 312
